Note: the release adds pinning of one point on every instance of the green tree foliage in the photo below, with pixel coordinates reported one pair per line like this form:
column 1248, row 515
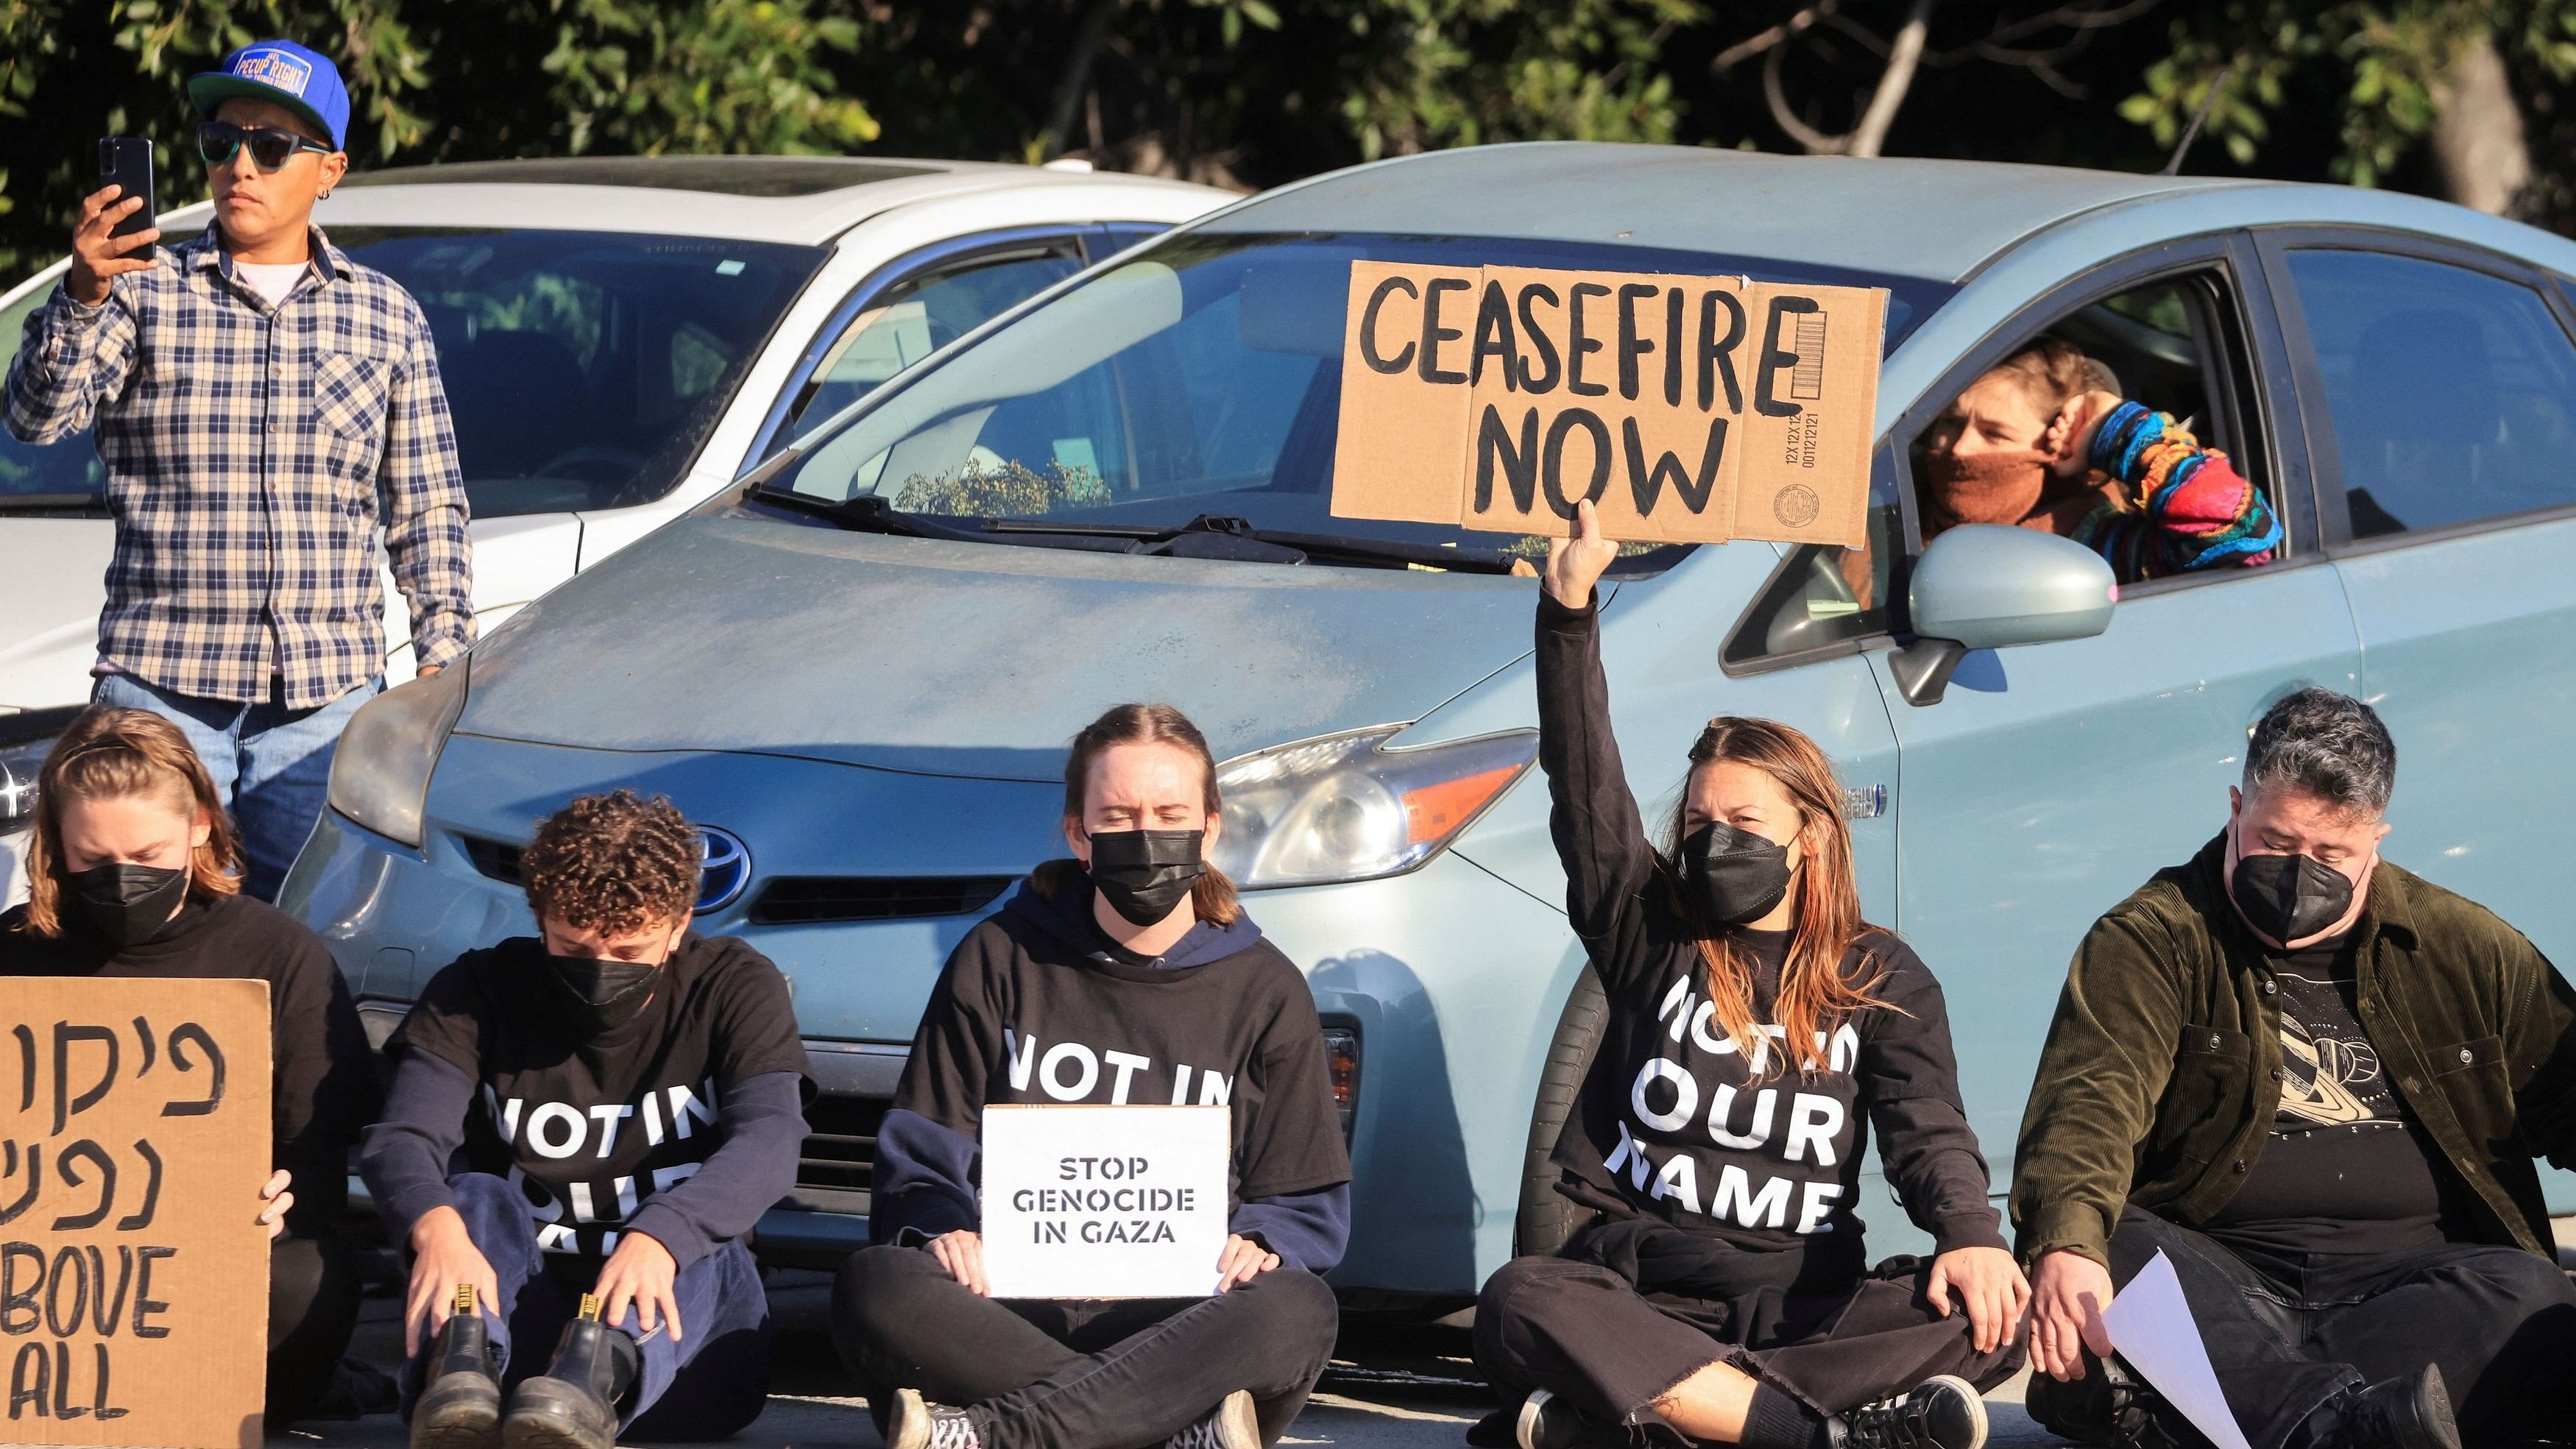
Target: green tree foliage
column 1254, row 92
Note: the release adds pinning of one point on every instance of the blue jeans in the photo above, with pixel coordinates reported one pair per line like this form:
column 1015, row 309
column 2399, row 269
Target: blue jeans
column 272, row 763
column 706, row 1386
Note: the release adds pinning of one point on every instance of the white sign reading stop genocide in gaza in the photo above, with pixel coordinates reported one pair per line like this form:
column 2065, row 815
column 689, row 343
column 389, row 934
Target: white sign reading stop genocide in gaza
column 1105, row 1202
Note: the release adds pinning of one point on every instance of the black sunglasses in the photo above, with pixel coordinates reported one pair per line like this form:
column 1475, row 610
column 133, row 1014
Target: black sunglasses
column 269, row 146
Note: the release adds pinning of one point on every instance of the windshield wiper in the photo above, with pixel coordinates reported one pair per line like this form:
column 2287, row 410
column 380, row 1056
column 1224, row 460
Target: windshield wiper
column 1328, row 547
column 863, row 513
column 52, row 503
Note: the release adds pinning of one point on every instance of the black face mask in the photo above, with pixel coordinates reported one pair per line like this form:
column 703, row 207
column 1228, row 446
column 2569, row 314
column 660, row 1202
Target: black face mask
column 1733, row 876
column 131, row 905
column 602, row 996
column 1144, row 873
column 2289, row 897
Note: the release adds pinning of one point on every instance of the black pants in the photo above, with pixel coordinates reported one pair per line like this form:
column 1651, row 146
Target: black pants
column 2288, row 1334
column 1580, row 1327
column 312, row 1308
column 1053, row 1374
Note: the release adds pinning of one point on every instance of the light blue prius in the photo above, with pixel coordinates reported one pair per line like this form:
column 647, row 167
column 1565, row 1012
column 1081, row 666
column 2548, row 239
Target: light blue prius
column 860, row 668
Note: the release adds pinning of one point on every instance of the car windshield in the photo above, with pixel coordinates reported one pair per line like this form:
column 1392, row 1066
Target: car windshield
column 1202, row 378
column 583, row 369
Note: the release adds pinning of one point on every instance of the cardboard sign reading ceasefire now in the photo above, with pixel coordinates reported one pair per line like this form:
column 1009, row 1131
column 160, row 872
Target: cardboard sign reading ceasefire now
column 1688, row 409
column 134, row 1136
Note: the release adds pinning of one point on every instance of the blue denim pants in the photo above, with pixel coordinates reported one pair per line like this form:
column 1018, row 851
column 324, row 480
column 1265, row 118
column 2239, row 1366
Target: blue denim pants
column 708, row 1385
column 272, row 763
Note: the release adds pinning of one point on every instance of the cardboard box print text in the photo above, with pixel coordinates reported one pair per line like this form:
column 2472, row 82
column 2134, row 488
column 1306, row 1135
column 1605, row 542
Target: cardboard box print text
column 1688, row 409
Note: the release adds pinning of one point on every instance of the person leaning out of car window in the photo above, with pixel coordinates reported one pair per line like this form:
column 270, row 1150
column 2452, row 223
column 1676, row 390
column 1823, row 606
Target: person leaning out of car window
column 132, row 872
column 275, row 433
column 2314, row 1082
column 1134, row 952
column 1757, row 1031
column 2044, row 440
column 583, row 1125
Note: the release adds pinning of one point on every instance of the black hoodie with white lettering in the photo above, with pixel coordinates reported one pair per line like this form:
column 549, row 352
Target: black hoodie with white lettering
column 1672, row 1122
column 1038, row 1004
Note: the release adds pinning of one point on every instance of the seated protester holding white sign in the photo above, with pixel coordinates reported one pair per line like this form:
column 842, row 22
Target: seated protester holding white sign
column 2044, row 440
column 599, row 1112
column 133, row 871
column 1127, row 974
column 1757, row 1029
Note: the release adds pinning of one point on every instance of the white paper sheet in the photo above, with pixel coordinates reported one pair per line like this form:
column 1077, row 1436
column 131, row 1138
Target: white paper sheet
column 2152, row 1327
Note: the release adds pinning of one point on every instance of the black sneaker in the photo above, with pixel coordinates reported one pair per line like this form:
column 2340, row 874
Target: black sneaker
column 1945, row 1412
column 917, row 1423
column 1548, row 1422
column 2109, row 1406
column 574, row 1404
column 2408, row 1413
column 460, row 1405
column 1230, row 1425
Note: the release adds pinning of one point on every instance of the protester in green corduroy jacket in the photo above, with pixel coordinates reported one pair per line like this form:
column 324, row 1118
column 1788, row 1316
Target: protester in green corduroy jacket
column 2315, row 1082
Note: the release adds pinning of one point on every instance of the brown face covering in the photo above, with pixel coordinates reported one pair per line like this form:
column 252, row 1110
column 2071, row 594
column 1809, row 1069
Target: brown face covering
column 1983, row 488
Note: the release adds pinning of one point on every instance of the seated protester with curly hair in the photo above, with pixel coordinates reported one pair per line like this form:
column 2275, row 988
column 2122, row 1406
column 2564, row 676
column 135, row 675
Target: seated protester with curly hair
column 133, row 871
column 2043, row 439
column 1137, row 951
column 583, row 1124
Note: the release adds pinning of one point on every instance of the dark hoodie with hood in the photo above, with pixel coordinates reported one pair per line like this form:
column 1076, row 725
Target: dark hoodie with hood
column 1038, row 1004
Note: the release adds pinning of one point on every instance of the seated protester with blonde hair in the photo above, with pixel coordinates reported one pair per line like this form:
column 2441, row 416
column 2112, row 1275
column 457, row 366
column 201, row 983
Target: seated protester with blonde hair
column 583, row 1124
column 1138, row 950
column 1758, row 1030
column 133, row 872
column 2043, row 439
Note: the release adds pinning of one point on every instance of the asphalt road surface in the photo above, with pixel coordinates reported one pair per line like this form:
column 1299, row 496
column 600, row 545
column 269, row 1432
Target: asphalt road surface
column 1389, row 1388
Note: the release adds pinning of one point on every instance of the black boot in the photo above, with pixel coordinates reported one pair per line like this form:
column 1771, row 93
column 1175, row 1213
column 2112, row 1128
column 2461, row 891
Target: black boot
column 574, row 1406
column 1943, row 1412
column 2408, row 1413
column 460, row 1405
column 2109, row 1406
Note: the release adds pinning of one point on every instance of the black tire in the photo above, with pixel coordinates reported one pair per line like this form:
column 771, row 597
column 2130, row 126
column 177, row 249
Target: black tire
column 1547, row 1217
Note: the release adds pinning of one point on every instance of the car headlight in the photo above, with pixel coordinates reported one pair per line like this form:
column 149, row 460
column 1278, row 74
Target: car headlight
column 380, row 775
column 25, row 739
column 1347, row 807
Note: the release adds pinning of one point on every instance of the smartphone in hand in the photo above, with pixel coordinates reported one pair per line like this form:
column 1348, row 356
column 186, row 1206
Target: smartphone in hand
column 125, row 162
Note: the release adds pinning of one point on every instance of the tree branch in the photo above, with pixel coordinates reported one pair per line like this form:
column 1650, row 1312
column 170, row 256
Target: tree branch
column 1902, row 54
column 1076, row 77
column 1795, row 25
column 1816, row 142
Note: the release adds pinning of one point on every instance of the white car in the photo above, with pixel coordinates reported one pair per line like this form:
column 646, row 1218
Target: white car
column 620, row 337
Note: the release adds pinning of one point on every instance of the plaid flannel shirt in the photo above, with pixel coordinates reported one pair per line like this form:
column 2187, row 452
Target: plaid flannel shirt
column 251, row 453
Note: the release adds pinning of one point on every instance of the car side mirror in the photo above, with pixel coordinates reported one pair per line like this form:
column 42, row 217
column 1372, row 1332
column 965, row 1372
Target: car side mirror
column 1985, row 586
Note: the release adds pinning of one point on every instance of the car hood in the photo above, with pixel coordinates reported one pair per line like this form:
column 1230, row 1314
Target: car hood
column 967, row 659
column 50, row 593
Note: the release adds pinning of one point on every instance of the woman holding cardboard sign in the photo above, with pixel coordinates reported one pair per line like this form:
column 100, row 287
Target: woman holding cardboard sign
column 1756, row 1023
column 1129, row 973
column 133, row 871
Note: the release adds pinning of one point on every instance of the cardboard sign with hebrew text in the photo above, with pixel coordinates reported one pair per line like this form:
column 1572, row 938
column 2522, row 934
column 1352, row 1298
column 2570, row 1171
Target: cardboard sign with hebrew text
column 1688, row 409
column 134, row 1137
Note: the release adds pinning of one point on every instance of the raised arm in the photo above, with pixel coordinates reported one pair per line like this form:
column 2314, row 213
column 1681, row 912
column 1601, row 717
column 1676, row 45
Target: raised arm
column 78, row 349
column 2182, row 506
column 1600, row 838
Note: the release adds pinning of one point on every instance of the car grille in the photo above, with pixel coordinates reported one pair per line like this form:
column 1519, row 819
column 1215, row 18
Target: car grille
column 840, row 1142
column 804, row 900
column 796, row 900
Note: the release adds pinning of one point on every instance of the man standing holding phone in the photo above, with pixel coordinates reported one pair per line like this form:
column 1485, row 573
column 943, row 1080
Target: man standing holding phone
column 263, row 405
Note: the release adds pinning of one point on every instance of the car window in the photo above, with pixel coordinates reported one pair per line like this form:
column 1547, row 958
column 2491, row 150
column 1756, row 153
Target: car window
column 2161, row 344
column 2451, row 394
column 915, row 317
column 67, row 473
column 1200, row 378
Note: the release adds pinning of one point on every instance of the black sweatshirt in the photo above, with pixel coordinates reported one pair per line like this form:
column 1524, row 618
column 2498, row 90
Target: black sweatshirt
column 322, row 1079
column 1036, row 1005
column 1670, row 1122
column 683, row 1124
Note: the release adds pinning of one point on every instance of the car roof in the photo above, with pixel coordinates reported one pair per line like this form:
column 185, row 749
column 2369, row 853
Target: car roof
column 801, row 199
column 1938, row 220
